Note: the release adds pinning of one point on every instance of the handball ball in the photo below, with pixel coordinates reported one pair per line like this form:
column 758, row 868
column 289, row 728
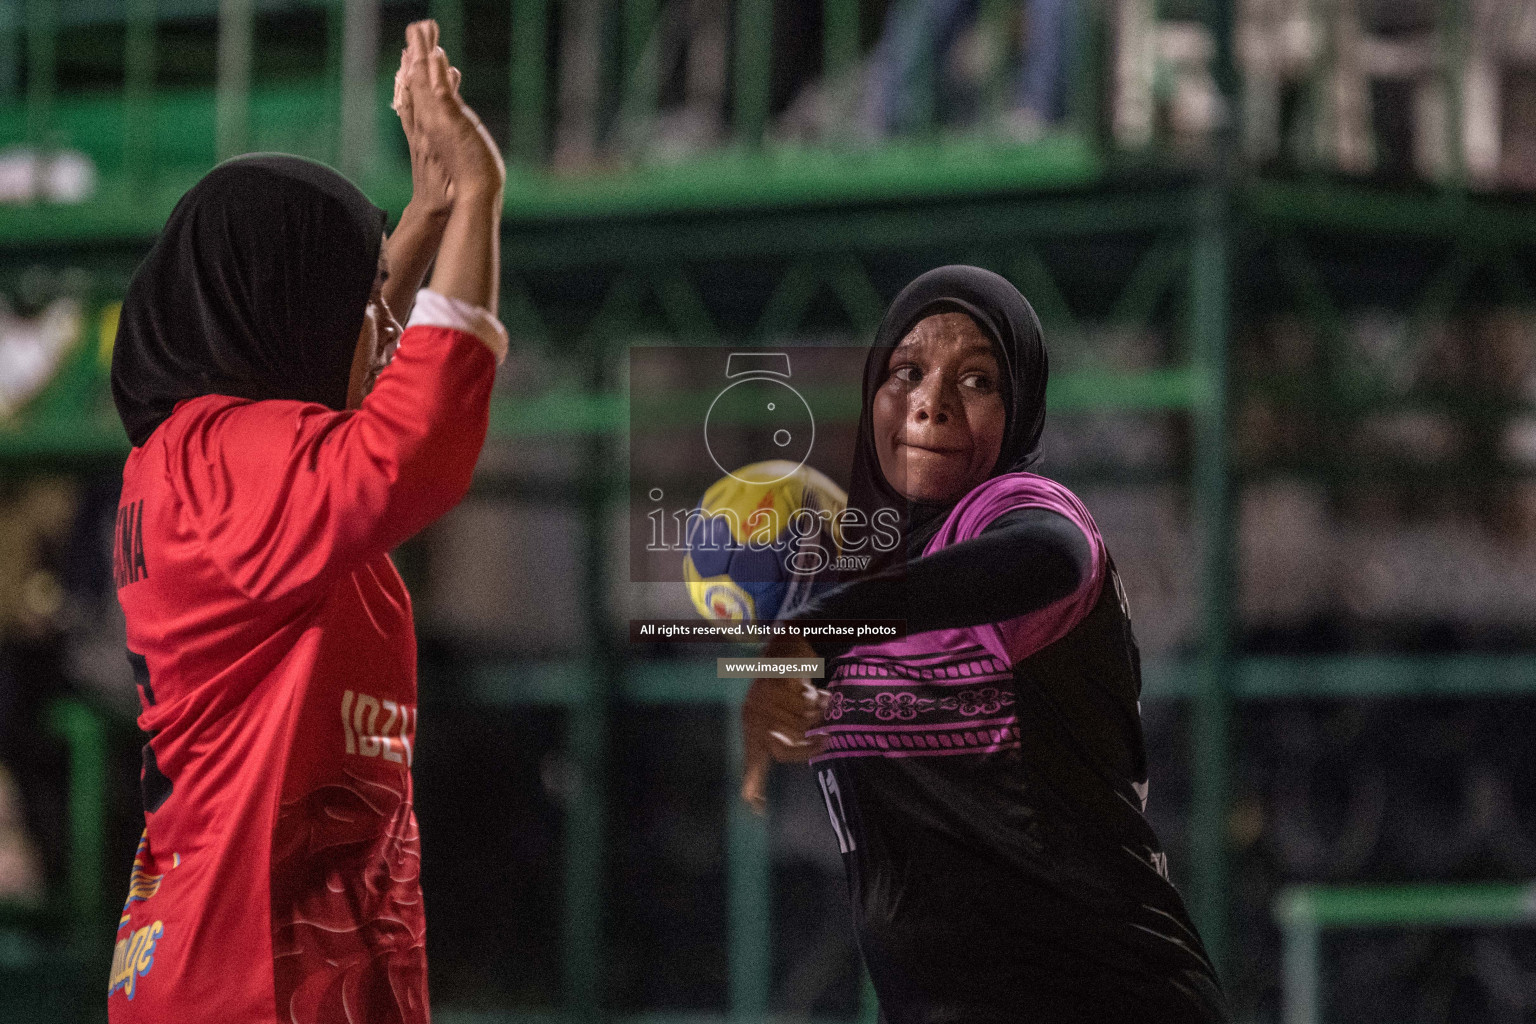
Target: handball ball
column 759, row 539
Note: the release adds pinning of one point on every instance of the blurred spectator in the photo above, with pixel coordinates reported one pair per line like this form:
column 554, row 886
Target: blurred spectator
column 21, row 874
column 919, row 34
column 1278, row 44
column 686, row 51
column 580, row 84
column 35, row 526
column 697, row 34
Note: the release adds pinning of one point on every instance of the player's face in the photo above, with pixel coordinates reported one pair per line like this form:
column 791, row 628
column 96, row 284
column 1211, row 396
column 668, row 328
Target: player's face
column 939, row 417
column 376, row 340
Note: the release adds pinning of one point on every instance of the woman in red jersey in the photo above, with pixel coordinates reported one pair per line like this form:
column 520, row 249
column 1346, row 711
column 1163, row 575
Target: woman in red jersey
column 279, row 453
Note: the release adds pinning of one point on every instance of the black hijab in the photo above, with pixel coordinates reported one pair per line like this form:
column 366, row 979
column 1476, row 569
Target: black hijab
column 1007, row 319
column 256, row 289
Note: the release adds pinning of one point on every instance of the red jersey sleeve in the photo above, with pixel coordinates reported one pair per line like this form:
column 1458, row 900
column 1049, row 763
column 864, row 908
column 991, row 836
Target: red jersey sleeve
column 288, row 494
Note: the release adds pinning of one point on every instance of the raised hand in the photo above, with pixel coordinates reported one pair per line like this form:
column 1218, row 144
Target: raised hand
column 438, row 123
column 431, row 190
column 455, row 161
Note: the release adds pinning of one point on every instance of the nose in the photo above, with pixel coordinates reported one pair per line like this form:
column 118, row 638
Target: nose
column 929, row 402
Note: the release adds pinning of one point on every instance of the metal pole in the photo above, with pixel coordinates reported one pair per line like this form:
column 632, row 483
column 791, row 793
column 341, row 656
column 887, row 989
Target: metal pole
column 1454, row 36
column 232, row 90
column 1209, row 300
column 996, row 19
column 754, row 68
column 588, row 732
column 42, row 35
column 1299, row 942
column 748, row 878
column 138, row 90
column 582, row 926
column 840, row 38
column 85, row 734
column 641, row 65
column 359, row 72
column 1208, row 310
column 10, row 58
column 529, row 24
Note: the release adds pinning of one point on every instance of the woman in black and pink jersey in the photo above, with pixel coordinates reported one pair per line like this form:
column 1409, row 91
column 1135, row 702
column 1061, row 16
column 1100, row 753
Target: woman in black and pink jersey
column 985, row 774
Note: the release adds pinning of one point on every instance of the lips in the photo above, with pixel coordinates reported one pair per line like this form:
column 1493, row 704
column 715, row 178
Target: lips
column 929, row 449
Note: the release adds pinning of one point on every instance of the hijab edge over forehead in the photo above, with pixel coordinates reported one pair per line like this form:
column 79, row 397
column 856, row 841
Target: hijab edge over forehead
column 1008, row 320
column 256, row 288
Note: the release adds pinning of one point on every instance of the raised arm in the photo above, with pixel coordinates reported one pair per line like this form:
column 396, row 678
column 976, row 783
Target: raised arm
column 468, row 260
column 290, row 494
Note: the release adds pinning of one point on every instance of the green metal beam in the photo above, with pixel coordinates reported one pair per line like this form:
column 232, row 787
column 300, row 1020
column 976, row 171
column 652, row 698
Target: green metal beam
column 1443, row 905
column 1373, row 210
column 722, row 206
column 1305, row 911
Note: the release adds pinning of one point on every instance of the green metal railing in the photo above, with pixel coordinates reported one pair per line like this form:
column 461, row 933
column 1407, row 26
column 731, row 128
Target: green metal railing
column 148, row 137
column 1305, row 912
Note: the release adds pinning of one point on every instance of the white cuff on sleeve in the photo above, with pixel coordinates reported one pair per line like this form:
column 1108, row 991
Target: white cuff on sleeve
column 433, row 309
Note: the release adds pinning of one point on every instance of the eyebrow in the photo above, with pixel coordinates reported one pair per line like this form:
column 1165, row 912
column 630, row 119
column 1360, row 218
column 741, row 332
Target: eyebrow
column 975, row 347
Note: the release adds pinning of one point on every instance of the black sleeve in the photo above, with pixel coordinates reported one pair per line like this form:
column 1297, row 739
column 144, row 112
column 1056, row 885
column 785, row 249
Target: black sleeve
column 1023, row 561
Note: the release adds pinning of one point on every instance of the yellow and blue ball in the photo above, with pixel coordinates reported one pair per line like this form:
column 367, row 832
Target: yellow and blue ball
column 759, row 540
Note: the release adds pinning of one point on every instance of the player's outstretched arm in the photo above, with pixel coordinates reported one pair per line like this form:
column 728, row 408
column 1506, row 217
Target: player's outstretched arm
column 415, row 240
column 468, row 260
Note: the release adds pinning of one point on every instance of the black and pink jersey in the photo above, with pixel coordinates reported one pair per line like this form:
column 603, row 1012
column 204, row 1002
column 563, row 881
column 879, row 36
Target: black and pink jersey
column 986, row 786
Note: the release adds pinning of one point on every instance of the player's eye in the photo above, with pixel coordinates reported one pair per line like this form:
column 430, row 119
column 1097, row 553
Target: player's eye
column 979, row 381
column 907, row 374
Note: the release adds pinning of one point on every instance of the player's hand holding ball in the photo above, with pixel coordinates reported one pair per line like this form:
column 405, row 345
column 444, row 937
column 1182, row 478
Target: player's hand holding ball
column 774, row 717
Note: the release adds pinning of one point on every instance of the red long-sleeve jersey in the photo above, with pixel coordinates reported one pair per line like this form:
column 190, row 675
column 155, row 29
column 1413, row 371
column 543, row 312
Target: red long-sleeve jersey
column 277, row 879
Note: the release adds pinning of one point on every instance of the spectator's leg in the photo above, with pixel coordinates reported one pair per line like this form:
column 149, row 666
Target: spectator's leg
column 708, row 46
column 1042, row 78
column 916, row 31
column 580, row 49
